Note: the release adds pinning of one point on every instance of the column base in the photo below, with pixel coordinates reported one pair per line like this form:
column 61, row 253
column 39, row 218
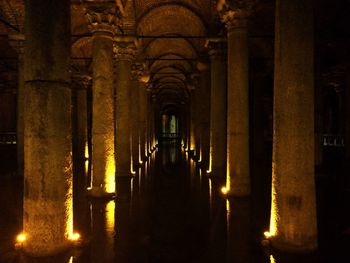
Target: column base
column 45, row 250
column 282, row 246
column 98, row 192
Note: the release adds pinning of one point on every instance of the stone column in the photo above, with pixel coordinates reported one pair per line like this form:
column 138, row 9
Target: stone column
column 17, row 43
column 135, row 119
column 143, row 120
column 238, row 176
column 192, row 121
column 293, row 213
column 80, row 130
column 47, row 221
column 218, row 106
column 124, row 55
column 102, row 23
column 204, row 113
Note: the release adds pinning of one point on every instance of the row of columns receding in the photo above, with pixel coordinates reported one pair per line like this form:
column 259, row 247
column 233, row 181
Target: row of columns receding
column 46, row 97
column 293, row 222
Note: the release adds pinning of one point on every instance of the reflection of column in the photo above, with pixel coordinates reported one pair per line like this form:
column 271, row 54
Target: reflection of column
column 293, row 215
column 124, row 55
column 238, row 181
column 16, row 41
column 218, row 102
column 47, row 135
column 102, row 24
column 238, row 230
column 103, row 231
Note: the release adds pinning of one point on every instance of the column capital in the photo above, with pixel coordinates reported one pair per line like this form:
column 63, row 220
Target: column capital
column 216, row 47
column 234, row 13
column 102, row 18
column 16, row 41
column 139, row 72
column 124, row 50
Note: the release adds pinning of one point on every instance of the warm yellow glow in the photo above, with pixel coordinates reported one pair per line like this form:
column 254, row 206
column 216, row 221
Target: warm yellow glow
column 228, row 209
column 86, row 150
column 21, row 238
column 74, row 237
column 110, row 215
column 86, row 167
column 71, row 259
column 267, row 234
column 274, row 208
column 272, row 259
column 110, row 174
column 224, row 190
column 69, row 209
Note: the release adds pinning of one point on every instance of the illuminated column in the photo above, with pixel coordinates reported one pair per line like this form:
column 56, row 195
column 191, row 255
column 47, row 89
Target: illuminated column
column 16, row 41
column 80, row 128
column 204, row 113
column 218, row 103
column 102, row 23
column 293, row 214
column 124, row 55
column 238, row 176
column 135, row 119
column 143, row 120
column 192, row 121
column 47, row 220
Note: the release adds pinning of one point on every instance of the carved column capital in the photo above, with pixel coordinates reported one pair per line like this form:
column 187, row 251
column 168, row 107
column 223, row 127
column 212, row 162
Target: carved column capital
column 124, row 50
column 216, row 48
column 102, row 18
column 139, row 72
column 234, row 13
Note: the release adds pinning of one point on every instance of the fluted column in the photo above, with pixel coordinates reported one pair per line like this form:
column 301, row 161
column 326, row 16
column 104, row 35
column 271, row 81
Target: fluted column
column 124, row 56
column 218, row 105
column 102, row 23
column 238, row 174
column 17, row 42
column 47, row 221
column 293, row 214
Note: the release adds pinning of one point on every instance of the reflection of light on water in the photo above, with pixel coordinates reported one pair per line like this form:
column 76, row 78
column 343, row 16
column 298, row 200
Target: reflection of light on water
column 272, row 259
column 110, row 216
column 86, row 150
column 210, row 195
column 70, row 259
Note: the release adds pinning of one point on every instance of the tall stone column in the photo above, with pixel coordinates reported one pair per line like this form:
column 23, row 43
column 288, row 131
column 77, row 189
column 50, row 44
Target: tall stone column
column 102, row 23
column 192, row 121
column 293, row 213
column 80, row 128
column 238, row 176
column 204, row 113
column 124, row 56
column 17, row 42
column 143, row 120
column 218, row 106
column 47, row 221
column 135, row 119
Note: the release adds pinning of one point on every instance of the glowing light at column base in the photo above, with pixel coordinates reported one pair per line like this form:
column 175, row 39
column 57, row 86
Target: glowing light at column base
column 21, row 238
column 74, row 237
column 110, row 174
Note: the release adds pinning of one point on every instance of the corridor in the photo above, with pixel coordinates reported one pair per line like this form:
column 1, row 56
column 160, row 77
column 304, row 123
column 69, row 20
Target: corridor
column 168, row 212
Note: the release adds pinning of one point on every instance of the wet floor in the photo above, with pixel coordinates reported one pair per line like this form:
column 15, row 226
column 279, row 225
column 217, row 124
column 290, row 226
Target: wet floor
column 168, row 212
